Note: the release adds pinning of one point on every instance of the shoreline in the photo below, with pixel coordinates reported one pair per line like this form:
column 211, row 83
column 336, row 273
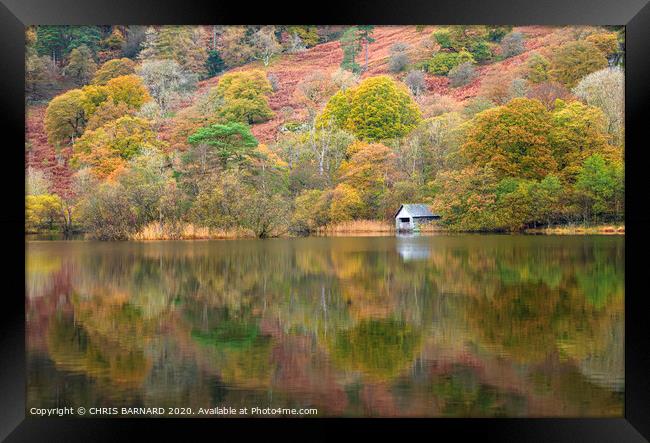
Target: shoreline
column 365, row 229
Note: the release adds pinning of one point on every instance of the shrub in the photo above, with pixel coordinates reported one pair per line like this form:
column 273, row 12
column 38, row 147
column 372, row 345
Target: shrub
column 443, row 62
column 443, row 38
column 107, row 214
column 512, row 44
column 399, row 58
column 537, row 68
column 462, row 75
column 415, row 80
column 607, row 42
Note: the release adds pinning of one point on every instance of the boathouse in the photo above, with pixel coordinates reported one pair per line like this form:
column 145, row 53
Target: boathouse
column 410, row 217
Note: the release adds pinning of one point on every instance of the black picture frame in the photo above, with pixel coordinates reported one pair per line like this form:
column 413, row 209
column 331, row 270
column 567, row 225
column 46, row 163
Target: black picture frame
column 634, row 14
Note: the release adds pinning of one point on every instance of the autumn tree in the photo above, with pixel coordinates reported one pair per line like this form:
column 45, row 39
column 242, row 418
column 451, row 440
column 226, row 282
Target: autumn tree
column 574, row 60
column 605, row 89
column 107, row 214
column 43, row 211
column 147, row 182
column 537, row 68
column 245, row 96
column 369, row 171
column 234, row 47
column 313, row 91
column 265, row 44
column 310, row 210
column 40, row 75
column 108, row 148
column 378, row 108
column 399, row 57
column 113, row 68
column 416, row 82
column 512, row 44
column 513, row 140
column 578, row 132
column 128, row 89
column 182, row 44
column 548, row 92
column 166, row 81
column 346, row 204
column 65, row 117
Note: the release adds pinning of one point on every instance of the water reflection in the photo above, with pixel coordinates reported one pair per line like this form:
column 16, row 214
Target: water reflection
column 373, row 326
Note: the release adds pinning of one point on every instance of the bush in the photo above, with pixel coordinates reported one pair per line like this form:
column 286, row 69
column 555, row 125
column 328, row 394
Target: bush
column 274, row 81
column 443, row 62
column 462, row 75
column 399, row 58
column 415, row 80
column 537, row 68
column 512, row 44
column 607, row 42
column 496, row 33
column 107, row 214
column 476, row 105
column 443, row 38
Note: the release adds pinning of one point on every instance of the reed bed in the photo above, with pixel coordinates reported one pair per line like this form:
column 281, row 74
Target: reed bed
column 579, row 230
column 357, row 226
column 188, row 231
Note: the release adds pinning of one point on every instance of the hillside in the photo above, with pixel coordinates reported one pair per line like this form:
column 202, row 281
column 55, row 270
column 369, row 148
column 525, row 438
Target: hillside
column 180, row 130
column 290, row 69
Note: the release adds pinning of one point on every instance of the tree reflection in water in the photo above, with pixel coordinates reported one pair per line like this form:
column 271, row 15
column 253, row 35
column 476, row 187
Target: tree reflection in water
column 464, row 325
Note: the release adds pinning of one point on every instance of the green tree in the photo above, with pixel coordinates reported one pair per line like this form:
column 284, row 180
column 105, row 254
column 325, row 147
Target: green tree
column 365, row 37
column 81, row 66
column 231, row 143
column 599, row 186
column 351, row 45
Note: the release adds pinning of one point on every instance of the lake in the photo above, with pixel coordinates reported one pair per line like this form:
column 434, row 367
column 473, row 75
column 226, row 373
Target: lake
column 425, row 326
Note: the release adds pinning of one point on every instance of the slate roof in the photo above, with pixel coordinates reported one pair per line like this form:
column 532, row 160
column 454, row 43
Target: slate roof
column 417, row 210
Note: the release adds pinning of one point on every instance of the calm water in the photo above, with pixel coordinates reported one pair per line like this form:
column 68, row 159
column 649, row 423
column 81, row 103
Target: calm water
column 466, row 325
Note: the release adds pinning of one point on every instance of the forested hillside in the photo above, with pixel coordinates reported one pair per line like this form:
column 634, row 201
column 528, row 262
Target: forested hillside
column 211, row 131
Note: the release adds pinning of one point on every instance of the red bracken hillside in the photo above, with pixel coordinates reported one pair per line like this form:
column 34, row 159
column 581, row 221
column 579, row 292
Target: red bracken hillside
column 41, row 155
column 289, row 70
